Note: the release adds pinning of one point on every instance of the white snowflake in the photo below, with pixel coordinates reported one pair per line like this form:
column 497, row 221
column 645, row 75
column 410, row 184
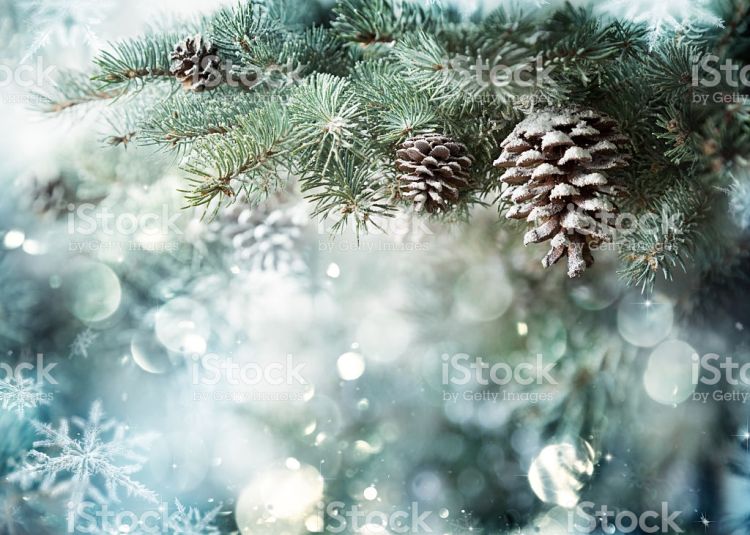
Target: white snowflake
column 96, row 455
column 82, row 342
column 190, row 521
column 64, row 22
column 19, row 394
column 663, row 15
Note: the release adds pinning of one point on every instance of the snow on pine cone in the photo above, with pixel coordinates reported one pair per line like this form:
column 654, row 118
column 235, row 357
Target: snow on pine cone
column 556, row 164
column 261, row 238
column 196, row 64
column 435, row 171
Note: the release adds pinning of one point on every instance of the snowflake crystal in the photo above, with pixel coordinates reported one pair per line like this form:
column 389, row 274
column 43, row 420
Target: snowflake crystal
column 190, row 521
column 19, row 394
column 96, row 454
column 82, row 343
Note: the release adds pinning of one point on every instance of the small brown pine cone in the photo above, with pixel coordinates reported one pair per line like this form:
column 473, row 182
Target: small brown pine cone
column 196, row 64
column 436, row 171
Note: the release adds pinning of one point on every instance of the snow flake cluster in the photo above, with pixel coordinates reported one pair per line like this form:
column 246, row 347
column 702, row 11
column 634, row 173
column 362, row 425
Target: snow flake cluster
column 99, row 454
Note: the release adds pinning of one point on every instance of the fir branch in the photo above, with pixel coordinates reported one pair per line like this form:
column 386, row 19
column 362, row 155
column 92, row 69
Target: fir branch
column 394, row 111
column 126, row 119
column 73, row 90
column 251, row 152
column 426, row 62
column 582, row 44
column 681, row 235
column 325, row 118
column 368, row 23
column 260, row 51
column 330, row 102
column 317, row 49
column 134, row 62
column 668, row 70
column 642, row 106
column 504, row 25
column 404, row 119
column 237, row 32
column 460, row 81
column 349, row 190
column 679, row 130
column 185, row 118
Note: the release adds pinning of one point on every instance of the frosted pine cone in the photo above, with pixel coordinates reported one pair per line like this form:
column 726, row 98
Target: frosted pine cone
column 556, row 164
column 436, row 171
column 261, row 238
column 196, row 64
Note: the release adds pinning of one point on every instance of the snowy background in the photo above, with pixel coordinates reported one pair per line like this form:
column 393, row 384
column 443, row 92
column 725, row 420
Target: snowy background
column 192, row 345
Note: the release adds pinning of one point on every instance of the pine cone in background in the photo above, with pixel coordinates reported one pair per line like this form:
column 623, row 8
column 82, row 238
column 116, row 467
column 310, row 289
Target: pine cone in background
column 46, row 196
column 196, row 64
column 556, row 162
column 436, row 171
column 264, row 238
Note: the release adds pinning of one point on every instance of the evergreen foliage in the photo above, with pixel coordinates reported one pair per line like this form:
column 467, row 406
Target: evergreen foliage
column 327, row 98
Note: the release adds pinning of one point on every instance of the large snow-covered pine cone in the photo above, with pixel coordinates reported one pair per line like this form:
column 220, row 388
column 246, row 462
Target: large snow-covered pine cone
column 556, row 165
